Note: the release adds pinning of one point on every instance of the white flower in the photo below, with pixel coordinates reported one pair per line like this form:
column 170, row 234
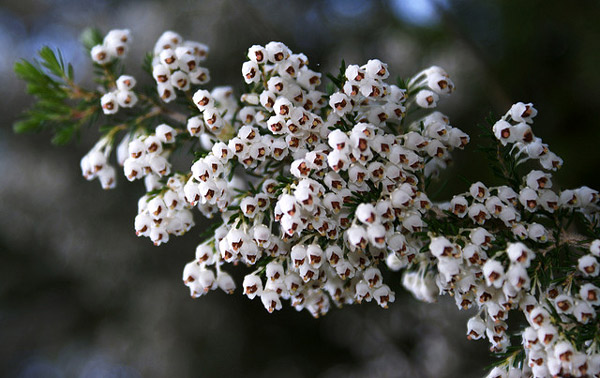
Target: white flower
column 590, row 293
column 537, row 232
column 166, row 92
column 354, row 73
column 126, row 82
column 315, row 255
column 538, row 317
column 363, row 292
column 459, row 206
column 340, row 103
column 199, row 75
column 159, row 235
column 547, row 334
column 478, row 213
column 507, row 195
column 563, row 304
column 551, row 162
column 274, row 271
column 530, row 338
column 100, row 54
column 117, row 42
column 133, row 169
column 427, row 99
column 337, row 160
column 276, row 52
column 377, row 235
column 203, row 99
column 109, row 103
column 161, row 73
column 440, row 84
column 225, row 282
column 481, row 237
column 588, row 196
column 563, row 351
column 441, row 247
column 583, row 312
column 520, row 231
column 538, row 180
column 168, row 39
column 595, row 248
column 475, row 328
column 168, row 58
column 519, row 253
column 357, row 237
column 334, row 255
column 497, row 372
column 366, row 213
column 165, row 133
column 257, row 54
column 298, row 255
column 191, row 271
column 376, row 69
column 549, row 200
column 521, row 112
column 479, row 191
column 588, row 265
column 518, row 277
column 142, row 224
column 126, row 99
column 251, row 72
column 529, row 199
column 107, row 177
column 270, row 300
column 249, row 206
column 503, row 131
column 494, row 273
column 384, row 295
column 180, row 80
column 252, row 286
column 186, row 61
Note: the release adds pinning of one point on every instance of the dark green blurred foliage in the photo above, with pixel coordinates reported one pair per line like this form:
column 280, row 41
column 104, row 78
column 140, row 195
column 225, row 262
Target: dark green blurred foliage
column 80, row 295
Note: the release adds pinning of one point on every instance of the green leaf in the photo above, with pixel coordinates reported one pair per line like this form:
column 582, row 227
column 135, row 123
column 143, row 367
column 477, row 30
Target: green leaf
column 70, row 73
column 26, row 125
column 91, row 37
column 147, row 65
column 341, row 77
column 64, row 135
column 52, row 61
column 401, row 83
column 49, row 79
column 330, row 88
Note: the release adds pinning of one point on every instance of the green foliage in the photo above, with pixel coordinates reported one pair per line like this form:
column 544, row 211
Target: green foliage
column 61, row 107
column 500, row 158
column 401, row 83
column 340, row 79
column 90, row 38
column 147, row 64
column 55, row 63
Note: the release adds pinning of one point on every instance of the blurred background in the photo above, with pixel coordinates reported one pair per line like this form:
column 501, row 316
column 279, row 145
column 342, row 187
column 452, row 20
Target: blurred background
column 81, row 296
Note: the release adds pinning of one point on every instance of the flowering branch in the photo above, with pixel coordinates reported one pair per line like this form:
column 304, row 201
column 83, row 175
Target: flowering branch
column 321, row 193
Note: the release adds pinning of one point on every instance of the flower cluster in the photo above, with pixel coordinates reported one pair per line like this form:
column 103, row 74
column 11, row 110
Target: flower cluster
column 115, row 45
column 322, row 194
column 482, row 268
column 122, row 96
column 147, row 155
column 95, row 164
column 514, row 128
column 165, row 212
column 356, row 184
column 175, row 65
